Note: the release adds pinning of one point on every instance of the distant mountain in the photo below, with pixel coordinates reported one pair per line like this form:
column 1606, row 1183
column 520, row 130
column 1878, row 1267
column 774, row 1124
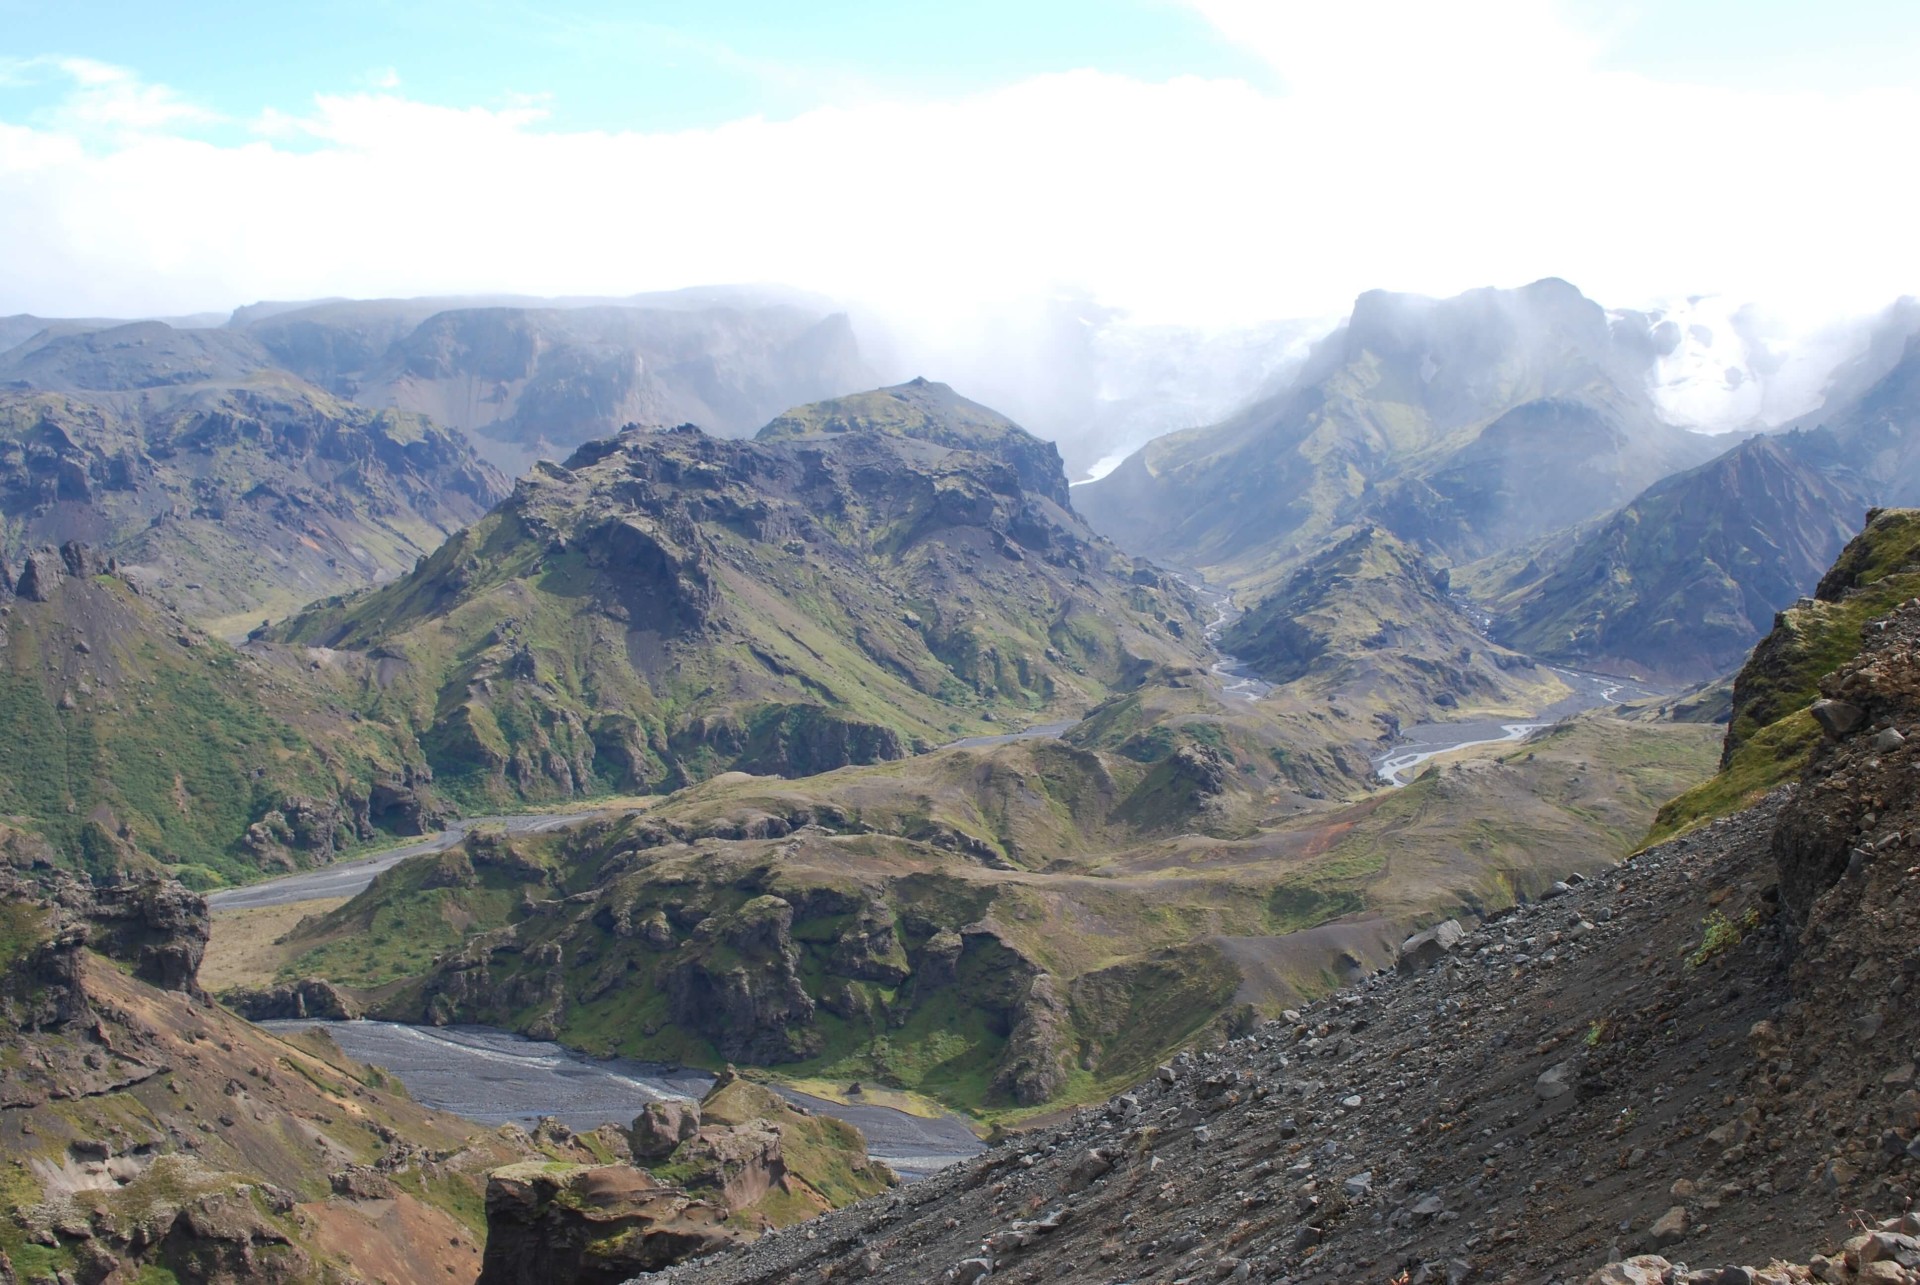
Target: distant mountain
column 136, row 355
column 530, row 383
column 23, row 326
column 234, row 490
column 1463, row 425
column 1098, row 381
column 1683, row 580
column 1368, row 616
column 667, row 605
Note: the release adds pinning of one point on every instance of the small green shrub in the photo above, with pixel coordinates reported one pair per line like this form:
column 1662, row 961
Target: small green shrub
column 1722, row 935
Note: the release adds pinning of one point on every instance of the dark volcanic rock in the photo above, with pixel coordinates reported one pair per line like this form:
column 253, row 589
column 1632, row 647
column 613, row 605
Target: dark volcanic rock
column 742, row 987
column 310, row 997
column 156, row 925
column 591, row 1226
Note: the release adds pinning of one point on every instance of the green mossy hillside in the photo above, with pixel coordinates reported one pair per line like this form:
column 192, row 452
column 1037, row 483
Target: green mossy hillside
column 1369, row 618
column 129, row 737
column 995, row 928
column 667, row 606
column 1771, row 735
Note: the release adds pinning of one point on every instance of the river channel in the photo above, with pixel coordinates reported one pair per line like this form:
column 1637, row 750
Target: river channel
column 348, row 877
column 492, row 1077
column 1424, row 741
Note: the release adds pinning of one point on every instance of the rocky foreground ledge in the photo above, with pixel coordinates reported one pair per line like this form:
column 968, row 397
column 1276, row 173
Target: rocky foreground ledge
column 1705, row 1057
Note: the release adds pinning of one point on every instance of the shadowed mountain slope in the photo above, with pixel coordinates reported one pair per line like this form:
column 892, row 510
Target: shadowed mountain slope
column 1680, row 582
column 1686, row 577
column 1464, row 425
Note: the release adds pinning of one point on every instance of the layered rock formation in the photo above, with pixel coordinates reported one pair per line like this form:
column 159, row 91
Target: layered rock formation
column 230, row 498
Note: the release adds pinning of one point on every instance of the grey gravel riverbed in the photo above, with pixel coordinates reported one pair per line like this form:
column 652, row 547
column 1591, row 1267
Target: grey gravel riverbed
column 494, row 1077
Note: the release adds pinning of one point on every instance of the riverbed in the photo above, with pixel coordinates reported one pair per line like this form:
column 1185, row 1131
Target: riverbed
column 347, row 878
column 1236, row 677
column 493, row 1078
column 1425, row 741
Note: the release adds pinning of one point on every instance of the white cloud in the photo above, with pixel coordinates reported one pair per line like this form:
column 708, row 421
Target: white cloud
column 1417, row 146
column 103, row 97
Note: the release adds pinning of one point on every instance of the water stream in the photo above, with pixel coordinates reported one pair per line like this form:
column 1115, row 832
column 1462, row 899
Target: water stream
column 1424, row 741
column 1237, row 679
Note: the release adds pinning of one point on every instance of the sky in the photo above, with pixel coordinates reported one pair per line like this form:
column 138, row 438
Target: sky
column 1210, row 162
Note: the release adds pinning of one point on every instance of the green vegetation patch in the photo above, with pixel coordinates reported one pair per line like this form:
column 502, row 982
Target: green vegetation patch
column 1772, row 736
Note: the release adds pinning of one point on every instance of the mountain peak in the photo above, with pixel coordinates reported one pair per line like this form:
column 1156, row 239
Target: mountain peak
column 932, row 412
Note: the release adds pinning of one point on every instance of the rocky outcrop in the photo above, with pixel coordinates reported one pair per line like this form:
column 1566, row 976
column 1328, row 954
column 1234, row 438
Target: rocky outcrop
column 1034, row 1068
column 594, row 1225
column 741, row 985
column 739, row 1163
column 1861, row 778
column 310, row 997
column 662, row 1127
column 224, row 1239
column 1428, row 947
column 155, row 927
